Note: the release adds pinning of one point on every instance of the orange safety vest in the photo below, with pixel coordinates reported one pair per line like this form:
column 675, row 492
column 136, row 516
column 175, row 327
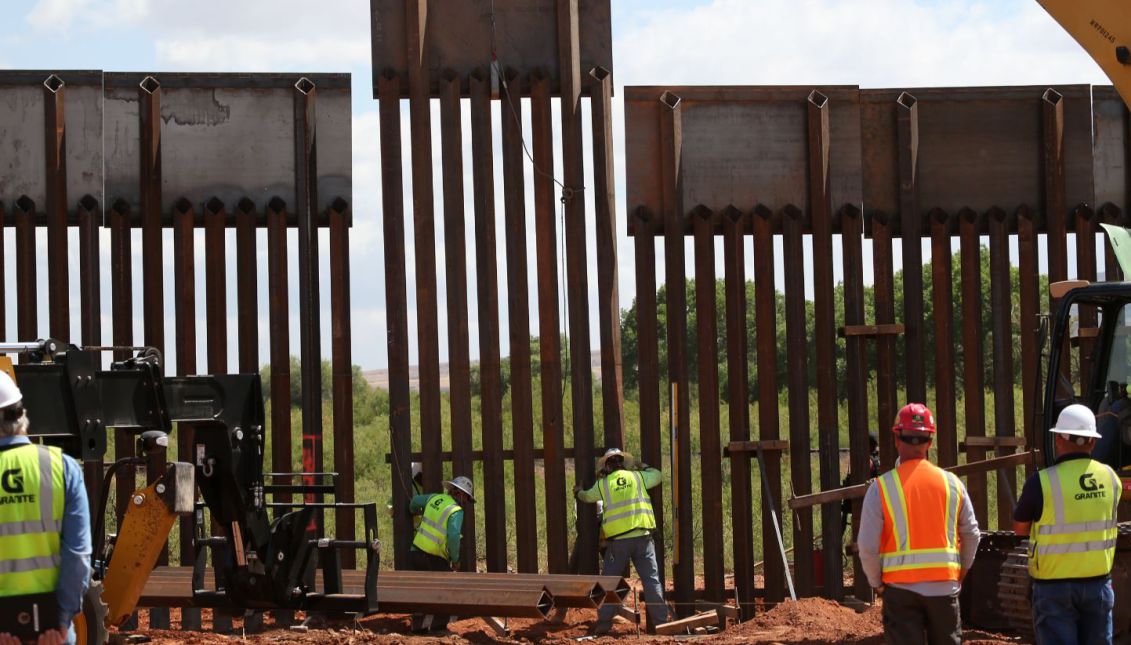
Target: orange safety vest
column 919, row 542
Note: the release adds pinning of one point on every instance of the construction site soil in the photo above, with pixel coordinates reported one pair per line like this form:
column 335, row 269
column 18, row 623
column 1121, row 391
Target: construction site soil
column 810, row 620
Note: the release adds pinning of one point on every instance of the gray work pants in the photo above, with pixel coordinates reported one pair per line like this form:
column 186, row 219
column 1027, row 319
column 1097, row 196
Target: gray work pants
column 642, row 552
column 911, row 618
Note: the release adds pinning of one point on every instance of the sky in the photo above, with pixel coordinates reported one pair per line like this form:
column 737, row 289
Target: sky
column 870, row 43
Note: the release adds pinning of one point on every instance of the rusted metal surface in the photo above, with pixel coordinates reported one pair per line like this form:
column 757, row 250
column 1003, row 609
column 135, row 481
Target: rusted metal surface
column 608, row 299
column 455, row 261
column 856, row 373
column 90, row 263
column 341, row 368
column 1001, row 323
column 911, row 228
column 577, row 280
column 1030, row 307
column 883, row 288
column 279, row 325
column 648, row 369
column 765, row 320
column 797, row 379
column 55, row 147
column 424, row 234
column 738, row 412
column 1085, row 270
column 820, row 146
column 942, row 301
column 1055, row 179
column 121, row 288
column 518, row 310
column 710, row 462
column 462, row 36
column 247, row 323
column 972, row 368
column 549, row 325
column 27, row 302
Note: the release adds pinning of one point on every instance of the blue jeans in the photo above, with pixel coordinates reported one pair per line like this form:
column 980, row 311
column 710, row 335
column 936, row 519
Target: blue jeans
column 1070, row 612
column 642, row 552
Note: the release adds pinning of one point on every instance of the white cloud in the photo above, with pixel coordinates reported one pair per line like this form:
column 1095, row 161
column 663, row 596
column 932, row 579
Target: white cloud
column 62, row 15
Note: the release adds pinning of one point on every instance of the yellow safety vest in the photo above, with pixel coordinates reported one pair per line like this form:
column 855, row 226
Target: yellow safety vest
column 31, row 519
column 1075, row 536
column 627, row 505
column 432, row 536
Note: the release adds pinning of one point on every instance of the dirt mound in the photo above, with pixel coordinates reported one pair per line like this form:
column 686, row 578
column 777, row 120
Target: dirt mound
column 812, row 620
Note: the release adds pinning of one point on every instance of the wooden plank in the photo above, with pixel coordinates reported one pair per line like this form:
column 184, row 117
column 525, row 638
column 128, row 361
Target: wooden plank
column 424, row 238
column 766, row 445
column 577, row 281
column 972, row 362
column 675, row 274
column 341, row 369
column 710, row 462
column 884, row 294
column 797, row 378
column 856, row 376
column 685, row 625
column 518, row 309
column 608, row 298
column 486, row 275
column 943, row 302
column 737, row 349
column 1031, row 391
column 549, row 325
column 1002, row 338
column 765, row 321
column 994, row 442
column 455, row 262
column 824, row 329
column 911, row 228
column 55, row 174
column 648, row 369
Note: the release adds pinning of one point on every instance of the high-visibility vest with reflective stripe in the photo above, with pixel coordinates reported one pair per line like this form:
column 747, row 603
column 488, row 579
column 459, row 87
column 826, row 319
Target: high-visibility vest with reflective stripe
column 919, row 541
column 417, row 489
column 1075, row 536
column 432, row 536
column 31, row 519
column 627, row 505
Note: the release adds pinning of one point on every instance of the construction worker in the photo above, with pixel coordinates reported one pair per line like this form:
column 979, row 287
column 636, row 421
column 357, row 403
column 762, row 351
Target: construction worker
column 417, row 489
column 918, row 537
column 45, row 542
column 627, row 522
column 1068, row 510
column 436, row 546
column 873, row 472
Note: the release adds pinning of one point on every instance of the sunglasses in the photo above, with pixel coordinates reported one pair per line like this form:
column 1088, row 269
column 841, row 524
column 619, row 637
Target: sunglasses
column 914, row 440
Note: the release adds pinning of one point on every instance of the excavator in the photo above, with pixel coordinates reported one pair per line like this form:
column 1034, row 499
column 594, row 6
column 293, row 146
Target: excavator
column 259, row 561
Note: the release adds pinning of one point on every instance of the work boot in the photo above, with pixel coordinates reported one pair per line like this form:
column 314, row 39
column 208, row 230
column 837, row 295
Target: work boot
column 601, row 629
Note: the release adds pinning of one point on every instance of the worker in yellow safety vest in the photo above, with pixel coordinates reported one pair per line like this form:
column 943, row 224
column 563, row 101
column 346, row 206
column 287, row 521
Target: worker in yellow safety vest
column 1068, row 510
column 918, row 537
column 417, row 489
column 45, row 540
column 627, row 522
column 437, row 541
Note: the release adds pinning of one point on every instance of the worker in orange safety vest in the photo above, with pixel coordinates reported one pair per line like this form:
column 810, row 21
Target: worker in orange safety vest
column 918, row 537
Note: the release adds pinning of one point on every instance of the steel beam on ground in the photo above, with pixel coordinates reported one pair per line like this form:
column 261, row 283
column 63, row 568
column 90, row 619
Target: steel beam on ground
column 396, row 300
column 549, row 324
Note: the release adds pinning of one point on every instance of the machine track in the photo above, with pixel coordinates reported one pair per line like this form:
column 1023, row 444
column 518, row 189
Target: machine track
column 1013, row 590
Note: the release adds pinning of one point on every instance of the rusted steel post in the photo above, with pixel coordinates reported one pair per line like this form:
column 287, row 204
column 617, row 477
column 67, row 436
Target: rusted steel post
column 608, row 298
column 856, row 372
column 1085, row 228
column 972, row 361
column 883, row 288
column 522, row 415
column 942, row 301
column 27, row 305
column 675, row 224
column 424, row 237
column 90, row 307
column 549, row 324
column 797, row 379
column 577, row 281
column 455, row 260
column 396, row 307
column 648, row 369
column 742, row 521
column 3, row 278
column 911, row 229
column 486, row 275
column 216, row 318
column 710, row 460
column 765, row 321
column 58, row 259
column 1055, row 201
column 1001, row 323
column 1027, row 261
column 121, row 292
column 824, row 328
column 279, row 332
column 184, row 302
column 1111, row 214
column 342, row 370
column 246, row 287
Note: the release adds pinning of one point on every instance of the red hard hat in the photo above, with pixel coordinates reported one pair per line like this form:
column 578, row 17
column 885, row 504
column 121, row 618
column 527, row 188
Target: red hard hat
column 914, row 416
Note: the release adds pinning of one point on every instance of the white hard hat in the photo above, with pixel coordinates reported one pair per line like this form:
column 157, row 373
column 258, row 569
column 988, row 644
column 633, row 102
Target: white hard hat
column 462, row 483
column 615, row 452
column 9, row 393
column 1076, row 420
column 417, row 469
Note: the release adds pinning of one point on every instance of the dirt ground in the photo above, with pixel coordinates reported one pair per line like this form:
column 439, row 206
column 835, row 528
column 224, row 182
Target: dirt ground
column 811, row 620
